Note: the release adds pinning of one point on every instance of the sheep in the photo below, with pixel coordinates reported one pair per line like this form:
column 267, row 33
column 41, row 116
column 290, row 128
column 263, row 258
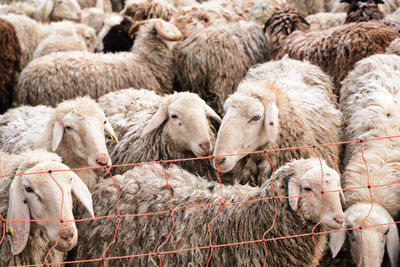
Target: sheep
column 212, row 61
column 104, row 5
column 394, row 47
column 325, row 20
column 155, row 128
column 107, row 24
column 143, row 190
column 387, row 6
column 328, row 49
column 307, row 7
column 369, row 101
column 46, row 10
column 279, row 104
column 74, row 130
column 53, row 78
column 147, row 9
column 31, row 33
column 78, row 37
column 38, row 197
column 118, row 38
column 10, row 60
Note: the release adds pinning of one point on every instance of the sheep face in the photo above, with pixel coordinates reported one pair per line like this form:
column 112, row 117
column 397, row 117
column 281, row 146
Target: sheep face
column 373, row 239
column 78, row 135
column 39, row 197
column 64, row 9
column 248, row 125
column 186, row 124
column 312, row 205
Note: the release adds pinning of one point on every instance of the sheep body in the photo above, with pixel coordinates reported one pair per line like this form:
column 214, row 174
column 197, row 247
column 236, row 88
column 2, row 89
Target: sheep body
column 10, row 60
column 143, row 190
column 307, row 7
column 302, row 119
column 148, row 9
column 329, row 49
column 52, row 78
column 325, row 20
column 212, row 61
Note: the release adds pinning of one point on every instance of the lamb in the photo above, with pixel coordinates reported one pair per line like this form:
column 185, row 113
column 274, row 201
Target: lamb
column 370, row 101
column 325, row 20
column 38, row 197
column 46, row 10
column 153, row 128
column 143, row 190
column 74, row 130
column 279, row 104
column 328, row 49
column 69, row 74
column 148, row 9
column 10, row 60
column 78, row 37
column 212, row 61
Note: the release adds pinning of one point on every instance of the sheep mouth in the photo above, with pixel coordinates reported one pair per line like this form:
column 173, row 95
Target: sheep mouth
column 332, row 225
column 64, row 246
column 101, row 172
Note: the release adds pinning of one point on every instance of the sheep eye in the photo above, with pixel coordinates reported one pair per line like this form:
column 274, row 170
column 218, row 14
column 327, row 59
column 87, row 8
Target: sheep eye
column 308, row 189
column 256, row 118
column 28, row 189
column 105, row 122
column 68, row 127
column 174, row 116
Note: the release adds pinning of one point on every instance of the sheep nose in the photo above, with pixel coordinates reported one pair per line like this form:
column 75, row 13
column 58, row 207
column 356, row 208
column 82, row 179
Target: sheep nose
column 67, row 235
column 206, row 147
column 102, row 159
column 220, row 161
column 339, row 219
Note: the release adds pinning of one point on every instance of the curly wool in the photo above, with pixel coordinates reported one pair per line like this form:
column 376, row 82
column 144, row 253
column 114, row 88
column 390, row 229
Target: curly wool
column 212, row 61
column 10, row 63
column 143, row 190
column 148, row 9
column 53, row 78
column 328, row 49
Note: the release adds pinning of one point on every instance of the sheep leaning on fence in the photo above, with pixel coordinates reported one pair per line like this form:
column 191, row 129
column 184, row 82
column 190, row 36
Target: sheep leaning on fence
column 38, row 197
column 143, row 190
column 10, row 63
column 370, row 103
column 75, row 130
column 66, row 75
column 279, row 104
column 328, row 49
column 153, row 128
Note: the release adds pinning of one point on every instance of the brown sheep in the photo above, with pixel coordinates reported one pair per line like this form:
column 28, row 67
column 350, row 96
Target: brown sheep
column 10, row 59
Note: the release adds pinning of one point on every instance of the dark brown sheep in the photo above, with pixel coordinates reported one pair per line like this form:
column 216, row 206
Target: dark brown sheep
column 335, row 50
column 10, row 58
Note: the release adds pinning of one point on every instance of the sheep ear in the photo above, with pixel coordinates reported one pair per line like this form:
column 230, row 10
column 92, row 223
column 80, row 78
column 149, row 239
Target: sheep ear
column 58, row 131
column 110, row 131
column 48, row 8
column 18, row 210
column 82, row 193
column 342, row 198
column 304, row 21
column 265, row 25
column 271, row 122
column 158, row 118
column 293, row 190
column 392, row 243
column 212, row 114
column 336, row 242
column 167, row 31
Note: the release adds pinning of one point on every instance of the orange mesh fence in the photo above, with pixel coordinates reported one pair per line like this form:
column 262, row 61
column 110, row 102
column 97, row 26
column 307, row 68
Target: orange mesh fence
column 171, row 211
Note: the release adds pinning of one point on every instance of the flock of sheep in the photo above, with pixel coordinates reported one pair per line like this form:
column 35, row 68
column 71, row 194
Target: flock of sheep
column 84, row 87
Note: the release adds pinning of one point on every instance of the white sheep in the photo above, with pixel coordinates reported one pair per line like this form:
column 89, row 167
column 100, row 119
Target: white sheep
column 143, row 190
column 325, row 20
column 153, row 128
column 38, row 197
column 279, row 104
column 74, row 129
column 46, row 10
column 369, row 100
column 66, row 75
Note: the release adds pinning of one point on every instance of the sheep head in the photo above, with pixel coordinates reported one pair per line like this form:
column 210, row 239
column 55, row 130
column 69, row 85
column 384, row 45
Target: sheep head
column 77, row 133
column 39, row 197
column 59, row 10
column 118, row 38
column 373, row 239
column 308, row 184
column 186, row 124
column 165, row 30
column 251, row 121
